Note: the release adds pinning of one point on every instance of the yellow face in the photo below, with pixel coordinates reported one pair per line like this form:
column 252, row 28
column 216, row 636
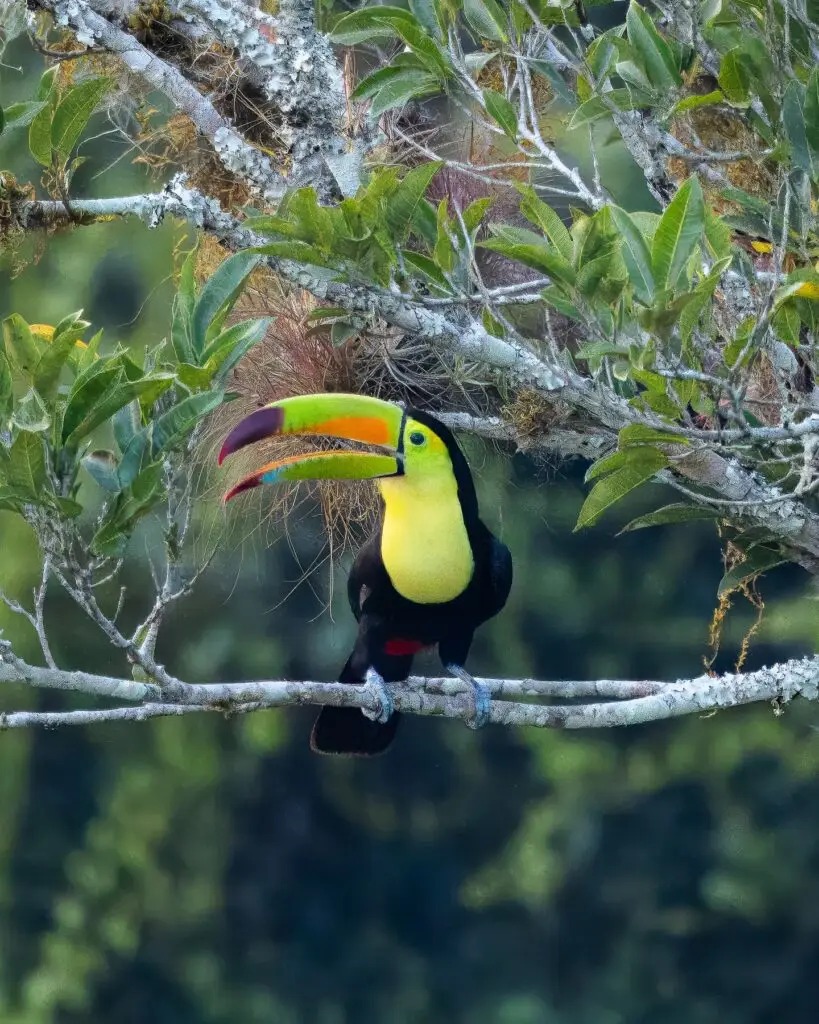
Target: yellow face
column 427, row 465
column 424, row 451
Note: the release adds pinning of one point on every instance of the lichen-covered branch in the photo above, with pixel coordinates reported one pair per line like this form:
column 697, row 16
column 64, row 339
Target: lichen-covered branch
column 624, row 702
column 298, row 73
column 458, row 331
column 236, row 154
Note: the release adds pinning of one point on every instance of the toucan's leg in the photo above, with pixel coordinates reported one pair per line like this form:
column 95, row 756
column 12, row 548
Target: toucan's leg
column 481, row 698
column 375, row 682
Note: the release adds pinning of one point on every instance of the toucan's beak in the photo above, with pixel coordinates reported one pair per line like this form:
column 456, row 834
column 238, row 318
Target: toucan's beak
column 354, row 417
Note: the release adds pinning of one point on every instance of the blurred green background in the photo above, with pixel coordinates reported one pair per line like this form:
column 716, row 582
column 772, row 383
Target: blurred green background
column 210, row 871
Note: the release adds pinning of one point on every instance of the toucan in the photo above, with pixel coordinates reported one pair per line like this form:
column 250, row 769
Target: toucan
column 431, row 573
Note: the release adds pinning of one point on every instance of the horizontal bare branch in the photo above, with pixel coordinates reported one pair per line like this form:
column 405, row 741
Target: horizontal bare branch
column 625, row 702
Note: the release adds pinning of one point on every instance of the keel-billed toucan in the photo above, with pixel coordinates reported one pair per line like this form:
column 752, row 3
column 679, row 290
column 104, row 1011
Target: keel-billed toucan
column 431, row 574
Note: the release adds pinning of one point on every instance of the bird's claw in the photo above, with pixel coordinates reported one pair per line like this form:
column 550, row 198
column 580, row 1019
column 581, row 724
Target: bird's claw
column 478, row 696
column 384, row 700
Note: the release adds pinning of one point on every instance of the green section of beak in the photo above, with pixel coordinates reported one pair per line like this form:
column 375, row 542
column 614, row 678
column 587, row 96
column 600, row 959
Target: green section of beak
column 320, row 466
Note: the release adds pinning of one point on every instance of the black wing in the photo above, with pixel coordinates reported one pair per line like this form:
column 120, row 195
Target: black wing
column 500, row 574
column 366, row 575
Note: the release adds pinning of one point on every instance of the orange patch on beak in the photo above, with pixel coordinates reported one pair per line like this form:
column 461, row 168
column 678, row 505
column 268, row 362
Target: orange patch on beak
column 358, row 428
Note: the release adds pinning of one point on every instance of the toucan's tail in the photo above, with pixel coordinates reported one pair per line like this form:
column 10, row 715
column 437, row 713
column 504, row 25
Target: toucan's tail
column 347, row 732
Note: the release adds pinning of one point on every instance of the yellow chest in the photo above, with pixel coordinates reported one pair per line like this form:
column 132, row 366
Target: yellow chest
column 424, row 544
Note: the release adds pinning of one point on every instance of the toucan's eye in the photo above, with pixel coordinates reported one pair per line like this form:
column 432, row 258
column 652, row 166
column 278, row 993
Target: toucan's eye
column 417, row 438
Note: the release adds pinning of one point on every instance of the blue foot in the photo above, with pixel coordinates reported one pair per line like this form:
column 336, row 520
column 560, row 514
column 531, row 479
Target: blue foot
column 386, row 705
column 479, row 696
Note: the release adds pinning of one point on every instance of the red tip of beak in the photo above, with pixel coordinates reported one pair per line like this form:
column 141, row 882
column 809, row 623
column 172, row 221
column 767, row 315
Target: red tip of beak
column 254, row 427
column 244, row 485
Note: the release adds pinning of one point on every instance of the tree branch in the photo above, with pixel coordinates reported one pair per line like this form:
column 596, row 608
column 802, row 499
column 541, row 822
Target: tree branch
column 298, row 73
column 456, row 331
column 236, row 155
column 634, row 703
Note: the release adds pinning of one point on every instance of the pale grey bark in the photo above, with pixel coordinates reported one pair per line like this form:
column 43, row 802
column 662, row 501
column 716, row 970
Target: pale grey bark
column 237, row 155
column 634, row 703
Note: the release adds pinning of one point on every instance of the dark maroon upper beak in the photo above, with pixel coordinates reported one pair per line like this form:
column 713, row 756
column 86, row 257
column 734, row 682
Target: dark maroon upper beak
column 257, row 425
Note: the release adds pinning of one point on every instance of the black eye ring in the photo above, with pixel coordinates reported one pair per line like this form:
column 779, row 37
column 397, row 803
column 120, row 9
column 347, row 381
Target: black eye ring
column 417, row 438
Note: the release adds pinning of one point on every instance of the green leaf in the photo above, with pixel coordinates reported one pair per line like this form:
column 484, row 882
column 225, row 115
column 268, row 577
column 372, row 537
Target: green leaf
column 21, row 348
column 102, row 467
column 403, row 88
column 39, row 136
column 718, row 236
column 734, row 79
column 793, row 121
column 811, row 112
column 401, row 207
column 598, row 349
column 220, row 292
column 600, row 106
column 491, row 325
column 653, row 51
column 173, row 428
column 557, row 81
column 141, row 497
column 641, row 466
column 477, row 61
column 133, row 457
column 422, row 45
column 677, row 234
column 20, row 115
column 429, row 15
column 486, row 19
column 444, row 249
column 82, row 417
column 51, row 362
column 370, row 85
column 225, row 351
column 31, row 413
column 536, row 256
column 183, row 305
column 74, row 112
column 636, row 256
column 327, row 313
column 46, row 87
column 126, row 422
column 695, row 102
column 89, row 387
column 13, row 499
column 26, row 468
column 502, row 111
column 474, row 213
column 295, row 250
column 758, row 561
column 426, row 267
column 535, row 210
column 555, row 297
column 677, row 513
column 637, row 433
column 6, row 391
column 594, row 271
column 363, row 27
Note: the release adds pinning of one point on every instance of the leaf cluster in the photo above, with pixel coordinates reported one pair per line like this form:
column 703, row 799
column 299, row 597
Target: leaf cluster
column 62, row 397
